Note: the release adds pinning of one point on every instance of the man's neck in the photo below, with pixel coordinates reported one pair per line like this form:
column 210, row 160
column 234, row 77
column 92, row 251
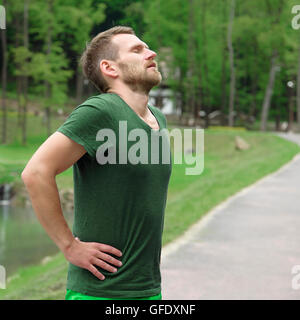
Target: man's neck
column 138, row 101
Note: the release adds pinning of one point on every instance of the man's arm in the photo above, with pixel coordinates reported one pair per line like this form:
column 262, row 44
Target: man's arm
column 54, row 156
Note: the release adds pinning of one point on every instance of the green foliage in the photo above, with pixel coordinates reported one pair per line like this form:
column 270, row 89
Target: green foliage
column 59, row 30
column 259, row 29
column 21, row 58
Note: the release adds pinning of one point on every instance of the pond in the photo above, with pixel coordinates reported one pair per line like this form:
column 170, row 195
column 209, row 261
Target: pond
column 23, row 240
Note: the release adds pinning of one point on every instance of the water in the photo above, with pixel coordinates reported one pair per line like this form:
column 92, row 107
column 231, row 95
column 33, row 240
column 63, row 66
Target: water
column 6, row 195
column 23, row 240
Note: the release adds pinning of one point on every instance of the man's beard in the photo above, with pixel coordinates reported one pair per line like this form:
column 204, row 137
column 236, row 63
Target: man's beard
column 138, row 79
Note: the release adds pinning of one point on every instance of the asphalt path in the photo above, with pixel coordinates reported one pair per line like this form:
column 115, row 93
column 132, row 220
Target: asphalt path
column 246, row 248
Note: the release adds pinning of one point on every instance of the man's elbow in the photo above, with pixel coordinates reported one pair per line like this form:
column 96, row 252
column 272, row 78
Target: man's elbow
column 28, row 176
column 36, row 174
column 32, row 174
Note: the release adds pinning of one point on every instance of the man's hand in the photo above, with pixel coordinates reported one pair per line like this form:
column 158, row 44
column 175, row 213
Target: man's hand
column 87, row 255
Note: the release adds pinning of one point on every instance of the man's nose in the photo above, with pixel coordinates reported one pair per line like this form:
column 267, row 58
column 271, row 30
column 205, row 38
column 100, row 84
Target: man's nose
column 150, row 54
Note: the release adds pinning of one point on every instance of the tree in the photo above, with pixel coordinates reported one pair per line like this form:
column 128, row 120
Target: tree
column 49, row 36
column 269, row 92
column 298, row 88
column 205, row 90
column 209, row 64
column 276, row 11
column 4, row 82
column 192, row 79
column 25, row 75
column 167, row 33
column 232, row 70
column 223, row 15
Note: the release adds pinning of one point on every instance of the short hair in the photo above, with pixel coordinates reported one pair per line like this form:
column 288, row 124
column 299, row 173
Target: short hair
column 99, row 48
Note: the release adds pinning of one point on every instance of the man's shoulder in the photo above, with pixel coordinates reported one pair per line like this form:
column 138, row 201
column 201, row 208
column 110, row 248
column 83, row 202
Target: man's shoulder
column 101, row 102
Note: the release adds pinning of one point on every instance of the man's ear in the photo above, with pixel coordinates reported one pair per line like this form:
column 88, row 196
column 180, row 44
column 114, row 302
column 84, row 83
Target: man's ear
column 108, row 68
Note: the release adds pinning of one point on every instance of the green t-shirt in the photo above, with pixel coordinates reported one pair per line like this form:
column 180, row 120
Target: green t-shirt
column 118, row 204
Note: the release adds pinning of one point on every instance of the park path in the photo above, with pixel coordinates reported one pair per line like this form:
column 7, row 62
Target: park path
column 244, row 248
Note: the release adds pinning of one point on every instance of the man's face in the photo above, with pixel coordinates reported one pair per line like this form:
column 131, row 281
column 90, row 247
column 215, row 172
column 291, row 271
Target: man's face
column 136, row 63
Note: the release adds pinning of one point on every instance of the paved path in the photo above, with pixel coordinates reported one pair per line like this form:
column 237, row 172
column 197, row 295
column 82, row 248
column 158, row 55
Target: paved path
column 243, row 249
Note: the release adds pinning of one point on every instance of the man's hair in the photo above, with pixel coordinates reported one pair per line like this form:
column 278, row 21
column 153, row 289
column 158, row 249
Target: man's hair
column 99, row 48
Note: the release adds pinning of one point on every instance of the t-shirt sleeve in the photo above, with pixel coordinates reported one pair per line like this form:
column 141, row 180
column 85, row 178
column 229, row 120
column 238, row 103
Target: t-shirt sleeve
column 82, row 126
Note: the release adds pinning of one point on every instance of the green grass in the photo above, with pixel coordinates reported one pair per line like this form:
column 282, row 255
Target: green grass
column 42, row 282
column 14, row 155
column 226, row 171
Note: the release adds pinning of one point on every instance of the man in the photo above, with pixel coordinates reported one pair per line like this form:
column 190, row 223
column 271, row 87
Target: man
column 114, row 250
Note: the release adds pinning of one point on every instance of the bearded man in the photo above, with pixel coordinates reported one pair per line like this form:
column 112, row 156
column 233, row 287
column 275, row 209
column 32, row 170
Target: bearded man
column 115, row 247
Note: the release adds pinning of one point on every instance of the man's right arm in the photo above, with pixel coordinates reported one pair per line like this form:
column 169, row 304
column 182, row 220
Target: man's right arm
column 54, row 156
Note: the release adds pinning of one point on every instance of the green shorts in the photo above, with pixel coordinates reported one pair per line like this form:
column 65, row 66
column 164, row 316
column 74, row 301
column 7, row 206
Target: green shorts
column 72, row 295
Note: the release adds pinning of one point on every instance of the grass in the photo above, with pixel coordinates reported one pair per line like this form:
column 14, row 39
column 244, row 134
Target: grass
column 42, row 282
column 14, row 156
column 226, row 171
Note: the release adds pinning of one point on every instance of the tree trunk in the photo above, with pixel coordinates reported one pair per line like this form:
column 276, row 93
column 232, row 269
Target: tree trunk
column 231, row 60
column 298, row 89
column 275, row 12
column 25, row 77
column 290, row 109
column 4, row 83
column 269, row 92
column 223, row 87
column 277, row 118
column 79, row 86
column 254, row 84
column 180, row 103
column 191, row 61
column 223, row 74
column 18, row 78
column 48, row 120
column 47, row 83
column 206, row 95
